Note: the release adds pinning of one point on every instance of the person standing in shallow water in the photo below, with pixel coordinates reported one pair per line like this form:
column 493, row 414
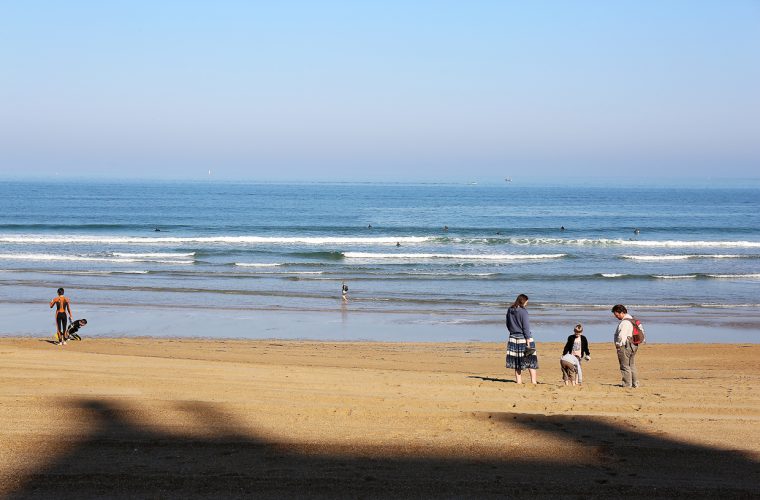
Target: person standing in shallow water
column 344, row 292
column 520, row 337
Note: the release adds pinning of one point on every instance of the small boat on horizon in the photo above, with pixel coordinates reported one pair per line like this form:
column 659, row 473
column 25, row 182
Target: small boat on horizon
column 508, row 179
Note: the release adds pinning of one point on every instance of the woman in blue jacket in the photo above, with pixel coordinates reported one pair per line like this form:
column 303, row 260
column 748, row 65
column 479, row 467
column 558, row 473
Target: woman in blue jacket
column 521, row 348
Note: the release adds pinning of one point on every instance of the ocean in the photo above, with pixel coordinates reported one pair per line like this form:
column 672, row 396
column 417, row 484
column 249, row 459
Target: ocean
column 422, row 261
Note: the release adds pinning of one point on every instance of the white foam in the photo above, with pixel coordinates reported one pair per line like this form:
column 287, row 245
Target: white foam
column 615, row 242
column 255, row 264
column 413, row 256
column 675, row 276
column 735, row 276
column 657, row 257
column 279, row 273
column 442, row 275
column 692, row 244
column 685, row 257
column 728, row 306
column 381, row 240
column 84, row 258
column 159, row 255
column 612, row 275
column 146, row 240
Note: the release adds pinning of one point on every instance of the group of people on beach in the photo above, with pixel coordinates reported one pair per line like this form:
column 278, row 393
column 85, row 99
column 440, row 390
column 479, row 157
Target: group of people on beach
column 521, row 346
column 522, row 355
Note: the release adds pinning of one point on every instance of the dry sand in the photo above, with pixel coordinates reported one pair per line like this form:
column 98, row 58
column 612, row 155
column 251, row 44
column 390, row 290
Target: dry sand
column 165, row 418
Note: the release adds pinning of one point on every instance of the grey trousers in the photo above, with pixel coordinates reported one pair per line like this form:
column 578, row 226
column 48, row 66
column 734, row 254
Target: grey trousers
column 627, row 357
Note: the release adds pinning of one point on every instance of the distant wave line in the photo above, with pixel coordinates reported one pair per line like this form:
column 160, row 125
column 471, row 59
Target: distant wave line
column 677, row 244
column 154, row 255
column 379, row 240
column 407, row 256
column 686, row 257
column 529, row 241
column 675, row 276
column 145, row 240
column 80, row 258
column 289, row 272
column 735, row 276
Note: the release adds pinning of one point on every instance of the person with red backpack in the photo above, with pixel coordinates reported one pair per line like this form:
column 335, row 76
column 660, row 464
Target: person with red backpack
column 627, row 340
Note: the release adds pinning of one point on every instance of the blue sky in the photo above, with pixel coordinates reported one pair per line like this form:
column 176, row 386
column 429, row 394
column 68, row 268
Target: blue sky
column 386, row 90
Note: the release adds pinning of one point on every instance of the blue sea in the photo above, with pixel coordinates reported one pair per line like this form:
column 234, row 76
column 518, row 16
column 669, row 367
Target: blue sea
column 422, row 261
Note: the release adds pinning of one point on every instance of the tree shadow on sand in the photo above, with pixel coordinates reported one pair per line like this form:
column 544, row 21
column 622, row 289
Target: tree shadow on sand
column 121, row 460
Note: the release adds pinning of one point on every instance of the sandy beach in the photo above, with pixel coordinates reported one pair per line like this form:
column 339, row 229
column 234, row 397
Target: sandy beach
column 172, row 418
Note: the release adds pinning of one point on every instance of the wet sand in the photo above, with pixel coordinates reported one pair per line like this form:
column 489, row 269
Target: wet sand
column 161, row 418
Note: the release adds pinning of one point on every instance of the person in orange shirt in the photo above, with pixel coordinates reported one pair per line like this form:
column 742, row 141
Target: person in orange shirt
column 62, row 306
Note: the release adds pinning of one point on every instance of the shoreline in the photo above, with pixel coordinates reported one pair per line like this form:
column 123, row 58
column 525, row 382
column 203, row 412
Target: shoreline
column 347, row 324
column 203, row 418
column 297, row 340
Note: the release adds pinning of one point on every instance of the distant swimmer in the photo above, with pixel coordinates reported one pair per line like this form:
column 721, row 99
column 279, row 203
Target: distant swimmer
column 398, row 244
column 562, row 228
column 498, row 232
column 156, row 229
column 636, row 231
column 344, row 292
column 369, row 226
column 445, row 228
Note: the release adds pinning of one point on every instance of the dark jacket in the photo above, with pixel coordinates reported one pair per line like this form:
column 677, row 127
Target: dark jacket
column 518, row 322
column 569, row 345
column 74, row 326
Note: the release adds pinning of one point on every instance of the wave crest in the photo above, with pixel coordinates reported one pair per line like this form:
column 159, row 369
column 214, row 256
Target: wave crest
column 425, row 256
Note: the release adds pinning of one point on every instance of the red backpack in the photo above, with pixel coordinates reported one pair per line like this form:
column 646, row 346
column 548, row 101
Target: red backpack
column 638, row 337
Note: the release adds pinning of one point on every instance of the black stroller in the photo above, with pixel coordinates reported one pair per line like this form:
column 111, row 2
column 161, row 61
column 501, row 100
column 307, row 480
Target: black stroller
column 73, row 328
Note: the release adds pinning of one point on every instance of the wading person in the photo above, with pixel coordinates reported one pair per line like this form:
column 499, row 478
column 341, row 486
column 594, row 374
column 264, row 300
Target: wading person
column 521, row 348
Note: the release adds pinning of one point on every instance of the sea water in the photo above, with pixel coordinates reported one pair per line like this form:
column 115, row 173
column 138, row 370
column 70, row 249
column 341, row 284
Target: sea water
column 185, row 256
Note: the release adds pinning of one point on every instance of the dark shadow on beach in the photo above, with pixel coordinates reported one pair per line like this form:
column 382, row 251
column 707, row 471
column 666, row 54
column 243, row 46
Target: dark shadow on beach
column 638, row 463
column 121, row 460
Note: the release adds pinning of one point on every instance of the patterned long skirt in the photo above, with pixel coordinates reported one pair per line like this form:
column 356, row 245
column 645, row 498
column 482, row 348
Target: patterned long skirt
column 516, row 357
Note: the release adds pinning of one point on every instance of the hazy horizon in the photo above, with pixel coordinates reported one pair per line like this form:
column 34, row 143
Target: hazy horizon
column 391, row 91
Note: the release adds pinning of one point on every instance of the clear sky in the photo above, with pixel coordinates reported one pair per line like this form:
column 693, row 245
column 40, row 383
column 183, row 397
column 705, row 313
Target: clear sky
column 380, row 90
